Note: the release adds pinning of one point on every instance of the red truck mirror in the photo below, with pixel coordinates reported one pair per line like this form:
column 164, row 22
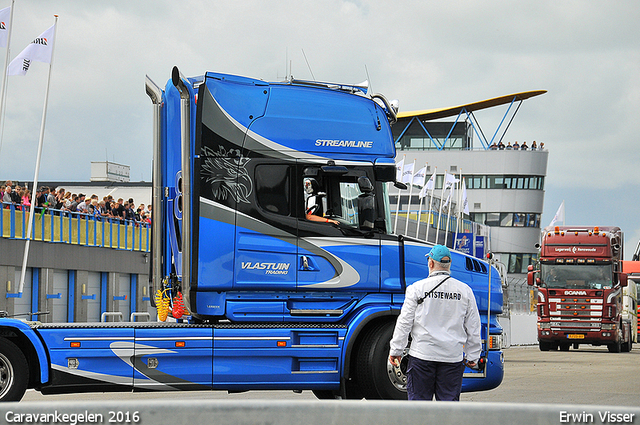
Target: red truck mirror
column 623, row 279
column 531, row 278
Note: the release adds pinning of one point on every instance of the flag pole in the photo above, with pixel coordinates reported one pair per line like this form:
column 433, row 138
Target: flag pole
column 4, row 76
column 406, row 224
column 424, row 183
column 459, row 214
column 35, row 177
column 450, row 198
column 444, row 188
column 430, row 216
column 395, row 223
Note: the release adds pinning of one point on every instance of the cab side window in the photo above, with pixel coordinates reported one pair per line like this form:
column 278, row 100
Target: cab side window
column 273, row 188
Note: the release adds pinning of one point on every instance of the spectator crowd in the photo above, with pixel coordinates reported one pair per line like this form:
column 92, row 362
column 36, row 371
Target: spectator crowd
column 63, row 202
column 516, row 146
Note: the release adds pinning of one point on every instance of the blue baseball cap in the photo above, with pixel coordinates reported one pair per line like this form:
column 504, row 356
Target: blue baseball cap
column 440, row 253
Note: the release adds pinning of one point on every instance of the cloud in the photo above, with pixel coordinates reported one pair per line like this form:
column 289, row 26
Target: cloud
column 426, row 54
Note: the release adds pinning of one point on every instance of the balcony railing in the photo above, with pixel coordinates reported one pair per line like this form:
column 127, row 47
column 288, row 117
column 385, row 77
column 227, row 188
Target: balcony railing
column 57, row 226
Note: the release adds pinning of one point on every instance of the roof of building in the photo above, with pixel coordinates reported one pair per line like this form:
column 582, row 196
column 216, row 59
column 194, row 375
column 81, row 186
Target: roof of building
column 432, row 114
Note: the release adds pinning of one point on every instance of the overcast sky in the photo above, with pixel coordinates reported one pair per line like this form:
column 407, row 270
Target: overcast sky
column 426, row 54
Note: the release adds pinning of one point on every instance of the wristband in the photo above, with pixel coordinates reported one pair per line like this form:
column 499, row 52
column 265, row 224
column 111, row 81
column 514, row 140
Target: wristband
column 327, row 220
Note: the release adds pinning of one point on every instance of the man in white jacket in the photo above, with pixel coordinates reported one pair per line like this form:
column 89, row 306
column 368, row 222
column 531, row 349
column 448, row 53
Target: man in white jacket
column 441, row 315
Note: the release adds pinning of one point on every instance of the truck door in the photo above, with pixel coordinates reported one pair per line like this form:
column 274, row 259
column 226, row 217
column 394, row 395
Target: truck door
column 266, row 229
column 334, row 253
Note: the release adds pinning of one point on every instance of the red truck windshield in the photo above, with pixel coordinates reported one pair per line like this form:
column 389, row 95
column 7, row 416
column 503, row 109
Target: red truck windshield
column 570, row 276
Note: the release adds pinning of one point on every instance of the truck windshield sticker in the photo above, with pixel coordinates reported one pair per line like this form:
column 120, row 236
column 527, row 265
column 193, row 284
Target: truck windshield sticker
column 227, row 173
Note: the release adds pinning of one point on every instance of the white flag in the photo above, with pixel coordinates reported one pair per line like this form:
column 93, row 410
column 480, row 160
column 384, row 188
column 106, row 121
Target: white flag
column 418, row 178
column 449, row 180
column 559, row 216
column 5, row 16
column 431, row 184
column 399, row 168
column 407, row 173
column 39, row 50
column 465, row 201
column 448, row 199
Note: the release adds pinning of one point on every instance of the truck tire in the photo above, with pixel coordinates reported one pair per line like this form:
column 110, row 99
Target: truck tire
column 544, row 346
column 626, row 346
column 374, row 377
column 615, row 347
column 14, row 371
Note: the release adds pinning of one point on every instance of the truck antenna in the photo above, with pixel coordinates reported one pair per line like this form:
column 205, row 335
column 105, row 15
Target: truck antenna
column 368, row 78
column 308, row 66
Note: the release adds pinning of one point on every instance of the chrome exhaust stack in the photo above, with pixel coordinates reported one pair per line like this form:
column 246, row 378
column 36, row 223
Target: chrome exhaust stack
column 155, row 279
column 185, row 147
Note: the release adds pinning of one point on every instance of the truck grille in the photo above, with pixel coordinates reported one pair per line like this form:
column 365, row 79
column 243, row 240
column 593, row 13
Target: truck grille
column 579, row 326
column 577, row 308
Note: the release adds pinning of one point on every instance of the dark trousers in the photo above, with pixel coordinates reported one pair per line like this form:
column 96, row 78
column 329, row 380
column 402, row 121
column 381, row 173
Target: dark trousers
column 426, row 378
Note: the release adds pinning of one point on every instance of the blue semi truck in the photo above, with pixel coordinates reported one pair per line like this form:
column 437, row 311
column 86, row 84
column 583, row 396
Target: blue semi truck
column 272, row 227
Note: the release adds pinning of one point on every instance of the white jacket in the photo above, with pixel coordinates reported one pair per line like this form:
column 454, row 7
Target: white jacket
column 444, row 325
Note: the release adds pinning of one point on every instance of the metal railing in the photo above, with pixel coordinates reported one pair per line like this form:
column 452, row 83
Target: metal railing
column 56, row 226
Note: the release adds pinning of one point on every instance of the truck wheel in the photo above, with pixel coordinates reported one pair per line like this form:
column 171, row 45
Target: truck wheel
column 615, row 347
column 544, row 346
column 625, row 347
column 14, row 371
column 375, row 374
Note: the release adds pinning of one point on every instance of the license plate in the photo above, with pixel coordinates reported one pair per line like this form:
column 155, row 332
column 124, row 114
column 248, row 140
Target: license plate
column 575, row 336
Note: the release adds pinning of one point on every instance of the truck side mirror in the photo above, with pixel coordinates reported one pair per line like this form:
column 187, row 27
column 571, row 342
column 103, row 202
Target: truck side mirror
column 623, row 279
column 531, row 277
column 366, row 204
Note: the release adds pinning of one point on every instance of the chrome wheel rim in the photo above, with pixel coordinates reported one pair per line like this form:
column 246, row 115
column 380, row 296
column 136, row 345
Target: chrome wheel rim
column 6, row 375
column 397, row 378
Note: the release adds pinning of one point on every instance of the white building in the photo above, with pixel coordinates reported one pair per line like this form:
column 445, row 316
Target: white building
column 505, row 188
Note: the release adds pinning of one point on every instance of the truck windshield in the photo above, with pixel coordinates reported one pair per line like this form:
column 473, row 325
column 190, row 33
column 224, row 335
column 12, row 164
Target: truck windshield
column 570, row 276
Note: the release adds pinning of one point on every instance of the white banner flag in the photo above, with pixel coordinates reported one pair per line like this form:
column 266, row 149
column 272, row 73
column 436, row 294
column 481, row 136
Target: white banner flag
column 449, row 180
column 431, row 184
column 559, row 216
column 407, row 173
column 465, row 201
column 39, row 50
column 5, row 16
column 418, row 178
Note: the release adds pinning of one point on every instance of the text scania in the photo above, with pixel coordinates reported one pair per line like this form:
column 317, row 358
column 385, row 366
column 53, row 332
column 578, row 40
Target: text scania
column 345, row 143
column 269, row 268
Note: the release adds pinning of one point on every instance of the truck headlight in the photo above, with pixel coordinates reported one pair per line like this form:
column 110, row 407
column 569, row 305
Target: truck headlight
column 609, row 326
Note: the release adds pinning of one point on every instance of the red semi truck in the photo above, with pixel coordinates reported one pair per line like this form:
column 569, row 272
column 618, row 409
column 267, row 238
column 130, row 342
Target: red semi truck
column 580, row 289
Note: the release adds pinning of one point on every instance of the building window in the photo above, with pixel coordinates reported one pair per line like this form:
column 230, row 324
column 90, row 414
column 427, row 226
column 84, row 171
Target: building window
column 504, row 182
column 507, row 219
column 518, row 263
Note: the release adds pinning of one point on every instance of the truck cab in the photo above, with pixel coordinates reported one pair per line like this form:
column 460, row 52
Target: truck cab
column 580, row 284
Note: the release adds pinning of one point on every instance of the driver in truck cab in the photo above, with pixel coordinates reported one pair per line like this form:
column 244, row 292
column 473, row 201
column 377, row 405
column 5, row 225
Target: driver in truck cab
column 313, row 208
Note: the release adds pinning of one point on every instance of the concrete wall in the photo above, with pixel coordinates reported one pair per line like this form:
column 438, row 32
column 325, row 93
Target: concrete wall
column 73, row 283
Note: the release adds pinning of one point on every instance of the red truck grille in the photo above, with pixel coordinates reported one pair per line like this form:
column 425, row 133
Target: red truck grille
column 576, row 308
